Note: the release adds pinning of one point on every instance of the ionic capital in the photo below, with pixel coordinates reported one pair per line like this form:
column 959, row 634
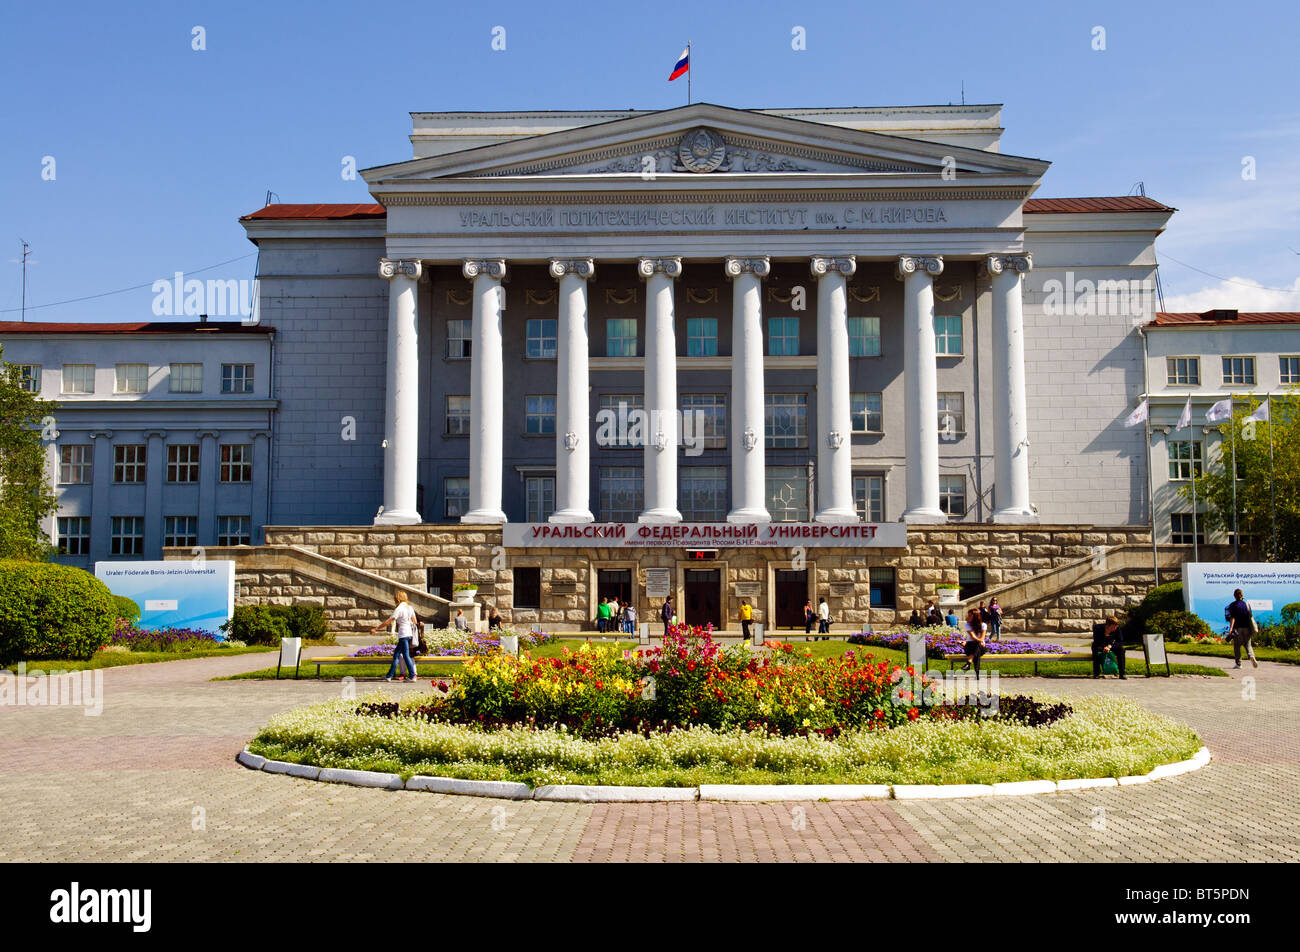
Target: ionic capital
column 996, row 264
column 759, row 267
column 914, row 264
column 400, row 268
column 822, row 266
column 649, row 267
column 491, row 267
column 584, row 268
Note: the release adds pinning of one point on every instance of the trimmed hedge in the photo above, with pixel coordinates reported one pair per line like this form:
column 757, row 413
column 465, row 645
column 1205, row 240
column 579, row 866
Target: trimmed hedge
column 267, row 624
column 126, row 608
column 52, row 611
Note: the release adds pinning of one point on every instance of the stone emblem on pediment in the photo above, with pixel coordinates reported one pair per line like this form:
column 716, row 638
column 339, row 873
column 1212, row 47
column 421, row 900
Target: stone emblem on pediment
column 702, row 150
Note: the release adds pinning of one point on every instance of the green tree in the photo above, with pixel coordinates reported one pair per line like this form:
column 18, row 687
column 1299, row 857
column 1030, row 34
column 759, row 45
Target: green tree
column 1258, row 488
column 26, row 496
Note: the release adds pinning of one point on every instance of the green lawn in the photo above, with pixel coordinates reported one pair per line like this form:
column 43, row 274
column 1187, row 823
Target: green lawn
column 1282, row 655
column 115, row 659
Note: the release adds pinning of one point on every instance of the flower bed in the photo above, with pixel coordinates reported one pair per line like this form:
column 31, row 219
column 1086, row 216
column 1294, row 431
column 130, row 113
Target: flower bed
column 940, row 641
column 126, row 635
column 452, row 642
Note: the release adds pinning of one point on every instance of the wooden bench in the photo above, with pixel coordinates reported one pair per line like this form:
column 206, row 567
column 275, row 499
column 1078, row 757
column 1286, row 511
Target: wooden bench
column 380, row 659
column 952, row 659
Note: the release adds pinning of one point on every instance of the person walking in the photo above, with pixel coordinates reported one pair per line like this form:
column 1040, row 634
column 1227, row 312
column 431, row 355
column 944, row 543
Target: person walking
column 746, row 618
column 629, row 618
column 809, row 617
column 976, row 636
column 1241, row 628
column 995, row 619
column 603, row 614
column 1108, row 638
column 667, row 614
column 824, row 619
column 404, row 617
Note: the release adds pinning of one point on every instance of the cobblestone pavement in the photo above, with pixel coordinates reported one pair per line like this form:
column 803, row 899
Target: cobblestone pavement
column 154, row 778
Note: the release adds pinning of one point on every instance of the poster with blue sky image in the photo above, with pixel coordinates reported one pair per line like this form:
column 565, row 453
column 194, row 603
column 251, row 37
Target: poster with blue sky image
column 198, row 594
column 1268, row 587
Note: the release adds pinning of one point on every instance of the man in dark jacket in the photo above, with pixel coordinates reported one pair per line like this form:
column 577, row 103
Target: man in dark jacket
column 1108, row 637
column 1241, row 628
column 667, row 614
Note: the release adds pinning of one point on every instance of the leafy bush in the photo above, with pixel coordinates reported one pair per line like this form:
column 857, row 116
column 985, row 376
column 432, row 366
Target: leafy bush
column 126, row 609
column 1162, row 598
column 267, row 624
column 1278, row 636
column 52, row 611
column 1179, row 625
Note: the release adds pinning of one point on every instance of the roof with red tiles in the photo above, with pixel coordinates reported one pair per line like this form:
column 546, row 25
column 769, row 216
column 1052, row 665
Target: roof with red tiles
column 141, row 327
column 1223, row 316
column 303, row 212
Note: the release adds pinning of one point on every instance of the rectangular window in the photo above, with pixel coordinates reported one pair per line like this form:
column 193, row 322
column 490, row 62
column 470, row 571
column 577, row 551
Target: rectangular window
column 74, row 535
column 236, row 378
column 786, row 423
column 947, row 335
column 539, row 413
column 1238, row 371
column 1288, row 369
column 458, row 339
column 952, row 415
column 182, row 462
column 29, row 377
column 131, row 378
column 129, row 463
column 541, row 337
column 1184, row 459
column 869, row 497
column 619, row 423
column 186, row 378
column 702, row 493
column 237, row 462
column 787, row 493
column 234, row 530
column 457, row 415
column 539, row 492
column 78, row 378
column 1183, row 371
column 127, row 536
column 1180, row 529
column 864, row 411
column 702, row 337
column 76, row 463
column 783, row 336
column 622, row 493
column 455, row 494
column 884, row 587
column 864, row 337
column 704, row 418
column 528, row 587
column 181, row 531
column 971, row 580
column 952, row 495
column 620, row 337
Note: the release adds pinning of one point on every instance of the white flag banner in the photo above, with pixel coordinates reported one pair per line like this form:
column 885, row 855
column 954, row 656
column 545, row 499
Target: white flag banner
column 1186, row 418
column 1220, row 411
column 1139, row 415
column 1261, row 413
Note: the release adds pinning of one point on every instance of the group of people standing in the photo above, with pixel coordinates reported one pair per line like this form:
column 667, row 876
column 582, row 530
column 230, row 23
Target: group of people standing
column 614, row 615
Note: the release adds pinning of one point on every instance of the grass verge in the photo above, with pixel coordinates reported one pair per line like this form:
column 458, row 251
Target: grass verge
column 1282, row 655
column 116, row 659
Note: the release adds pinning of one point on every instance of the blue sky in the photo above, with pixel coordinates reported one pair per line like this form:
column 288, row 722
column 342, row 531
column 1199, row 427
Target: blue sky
column 158, row 148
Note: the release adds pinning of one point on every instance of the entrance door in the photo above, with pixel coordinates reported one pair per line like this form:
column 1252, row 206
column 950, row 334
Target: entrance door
column 704, row 597
column 791, row 591
column 614, row 583
column 437, row 581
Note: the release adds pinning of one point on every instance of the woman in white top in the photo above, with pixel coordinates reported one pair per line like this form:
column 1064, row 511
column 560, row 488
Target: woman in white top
column 975, row 637
column 404, row 617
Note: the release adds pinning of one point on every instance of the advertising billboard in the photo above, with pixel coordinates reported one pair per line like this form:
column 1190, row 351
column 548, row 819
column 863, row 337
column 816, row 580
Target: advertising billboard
column 198, row 594
column 1268, row 587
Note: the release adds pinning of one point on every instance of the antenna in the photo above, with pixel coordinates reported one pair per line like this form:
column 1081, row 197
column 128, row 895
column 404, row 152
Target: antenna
column 270, row 195
column 27, row 249
column 963, row 92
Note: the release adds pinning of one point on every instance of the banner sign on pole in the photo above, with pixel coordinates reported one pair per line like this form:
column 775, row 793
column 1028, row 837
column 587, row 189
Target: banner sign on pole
column 176, row 594
column 1268, row 587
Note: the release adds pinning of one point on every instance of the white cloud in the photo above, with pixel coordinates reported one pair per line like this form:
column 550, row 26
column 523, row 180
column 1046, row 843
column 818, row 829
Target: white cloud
column 1243, row 294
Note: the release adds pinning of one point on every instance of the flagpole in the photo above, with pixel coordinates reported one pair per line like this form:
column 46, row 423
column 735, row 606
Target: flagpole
column 1196, row 549
column 688, row 72
column 1232, row 440
column 1272, row 479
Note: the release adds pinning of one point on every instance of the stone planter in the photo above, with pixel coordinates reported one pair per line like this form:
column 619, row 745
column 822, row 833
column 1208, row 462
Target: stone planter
column 464, row 595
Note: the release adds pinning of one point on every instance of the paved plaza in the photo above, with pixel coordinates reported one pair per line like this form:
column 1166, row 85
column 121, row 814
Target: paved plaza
column 154, row 778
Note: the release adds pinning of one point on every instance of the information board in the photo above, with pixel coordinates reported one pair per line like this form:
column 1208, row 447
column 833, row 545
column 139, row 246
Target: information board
column 198, row 594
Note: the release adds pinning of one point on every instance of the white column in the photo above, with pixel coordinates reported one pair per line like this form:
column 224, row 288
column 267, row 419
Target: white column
column 834, row 422
column 402, row 396
column 660, row 429
column 748, row 447
column 1010, row 422
column 920, row 379
column 486, row 400
column 572, row 398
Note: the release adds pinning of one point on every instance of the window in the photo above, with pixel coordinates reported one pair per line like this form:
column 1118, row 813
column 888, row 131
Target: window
column 186, row 378
column 457, row 415
column 29, row 377
column 869, row 497
column 76, row 463
column 237, row 462
column 952, row 415
column 540, row 341
column 1185, row 457
column 181, row 531
column 74, row 535
column 620, row 337
column 234, row 530
column 455, row 494
column 1181, row 529
column 131, row 378
column 787, row 493
column 1288, row 369
column 782, row 336
column 704, row 418
column 864, row 337
column 78, row 378
column 619, row 423
column 236, row 378
column 128, row 463
column 539, row 492
column 952, row 495
column 970, row 578
column 947, row 335
column 864, row 411
column 702, row 337
column 528, row 586
column 622, row 493
column 127, row 537
column 1183, row 371
column 786, row 423
column 182, row 462
column 539, row 413
column 702, row 493
column 884, row 587
column 1238, row 371
column 458, row 343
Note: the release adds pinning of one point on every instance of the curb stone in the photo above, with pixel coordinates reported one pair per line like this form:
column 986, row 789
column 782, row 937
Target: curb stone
column 942, row 791
column 502, row 789
column 304, row 771
column 1086, row 783
column 1019, row 788
column 361, row 778
column 251, row 761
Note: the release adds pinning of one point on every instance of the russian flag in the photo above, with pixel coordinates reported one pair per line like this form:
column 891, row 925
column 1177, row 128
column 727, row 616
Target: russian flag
column 683, row 64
